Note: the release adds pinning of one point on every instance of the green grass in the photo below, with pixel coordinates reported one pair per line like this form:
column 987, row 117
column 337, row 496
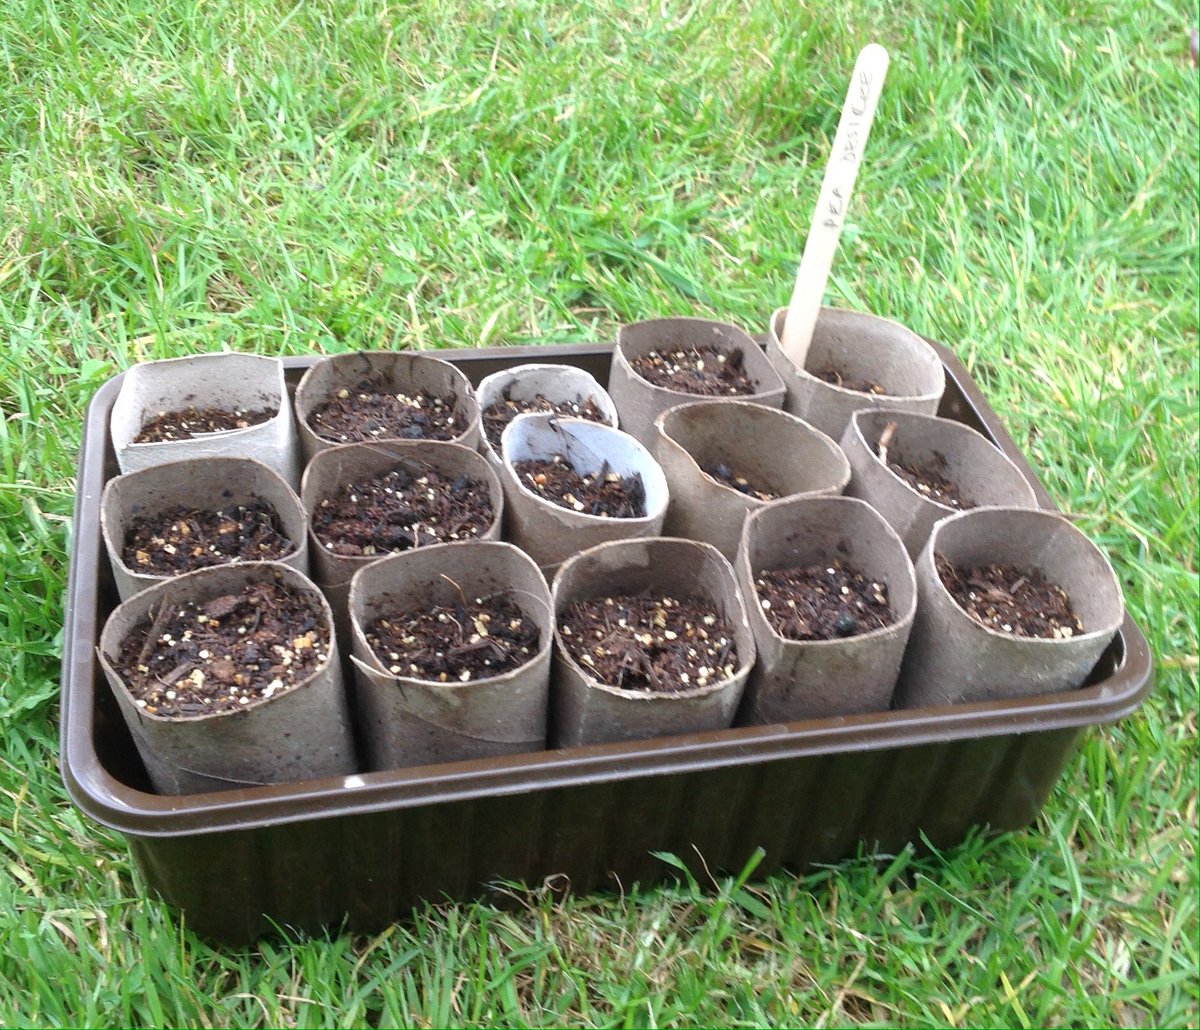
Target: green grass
column 322, row 176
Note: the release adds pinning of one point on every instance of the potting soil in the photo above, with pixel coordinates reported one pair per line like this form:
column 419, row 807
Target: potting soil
column 662, row 644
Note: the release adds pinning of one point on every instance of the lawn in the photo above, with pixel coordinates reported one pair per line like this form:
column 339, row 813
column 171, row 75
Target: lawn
column 289, row 178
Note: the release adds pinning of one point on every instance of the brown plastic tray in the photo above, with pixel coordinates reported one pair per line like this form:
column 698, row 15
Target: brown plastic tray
column 359, row 851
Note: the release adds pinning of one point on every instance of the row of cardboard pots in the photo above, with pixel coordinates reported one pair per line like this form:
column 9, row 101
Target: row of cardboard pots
column 950, row 657
column 863, row 347
column 304, row 731
column 682, row 497
column 933, row 652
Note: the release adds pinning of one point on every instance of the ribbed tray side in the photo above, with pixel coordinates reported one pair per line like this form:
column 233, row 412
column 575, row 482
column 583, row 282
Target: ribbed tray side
column 366, row 871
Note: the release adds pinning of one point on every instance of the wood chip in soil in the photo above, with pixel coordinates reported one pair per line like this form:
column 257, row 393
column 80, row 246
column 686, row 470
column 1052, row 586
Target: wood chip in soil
column 192, row 422
column 703, row 371
column 469, row 640
column 605, row 494
column 199, row 658
column 823, row 602
column 182, row 539
column 402, row 509
column 835, row 378
column 726, row 476
column 496, row 417
column 1020, row 602
column 367, row 413
column 662, row 644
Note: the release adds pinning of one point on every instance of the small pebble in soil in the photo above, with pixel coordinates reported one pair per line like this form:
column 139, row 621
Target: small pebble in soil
column 366, row 413
column 663, row 644
column 197, row 658
column 460, row 643
column 726, row 476
column 1008, row 599
column 191, row 422
column 703, row 371
column 835, row 378
column 604, row 493
column 823, row 602
column 182, row 539
column 496, row 417
column 401, row 509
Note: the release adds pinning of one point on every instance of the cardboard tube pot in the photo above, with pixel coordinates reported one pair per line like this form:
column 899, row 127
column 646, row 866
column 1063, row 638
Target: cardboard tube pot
column 639, row 402
column 409, row 721
column 299, row 733
column 232, row 382
column 806, row 679
column 336, row 467
column 586, row 711
column 392, row 372
column 549, row 533
column 863, row 347
column 206, row 484
column 985, row 477
column 953, row 658
column 557, row 383
column 772, row 450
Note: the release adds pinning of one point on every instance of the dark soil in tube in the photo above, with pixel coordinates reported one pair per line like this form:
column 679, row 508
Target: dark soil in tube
column 703, row 371
column 219, row 655
column 662, row 644
column 727, row 476
column 191, row 422
column 1020, row 602
column 835, row 378
column 183, row 539
column 497, row 416
column 471, row 640
column 605, row 493
column 928, row 478
column 400, row 510
column 366, row 413
column 823, row 602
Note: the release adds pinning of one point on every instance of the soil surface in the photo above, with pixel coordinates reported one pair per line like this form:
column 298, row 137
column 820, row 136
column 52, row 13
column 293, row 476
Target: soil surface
column 929, row 480
column 703, row 371
column 726, row 476
column 661, row 644
column 183, row 539
column 190, row 422
column 496, row 417
column 367, row 413
column 400, row 510
column 823, row 602
column 220, row 655
column 604, row 493
column 835, row 378
column 1021, row 602
column 456, row 644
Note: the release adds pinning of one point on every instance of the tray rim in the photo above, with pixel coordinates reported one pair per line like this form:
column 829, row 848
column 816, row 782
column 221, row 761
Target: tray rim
column 118, row 806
